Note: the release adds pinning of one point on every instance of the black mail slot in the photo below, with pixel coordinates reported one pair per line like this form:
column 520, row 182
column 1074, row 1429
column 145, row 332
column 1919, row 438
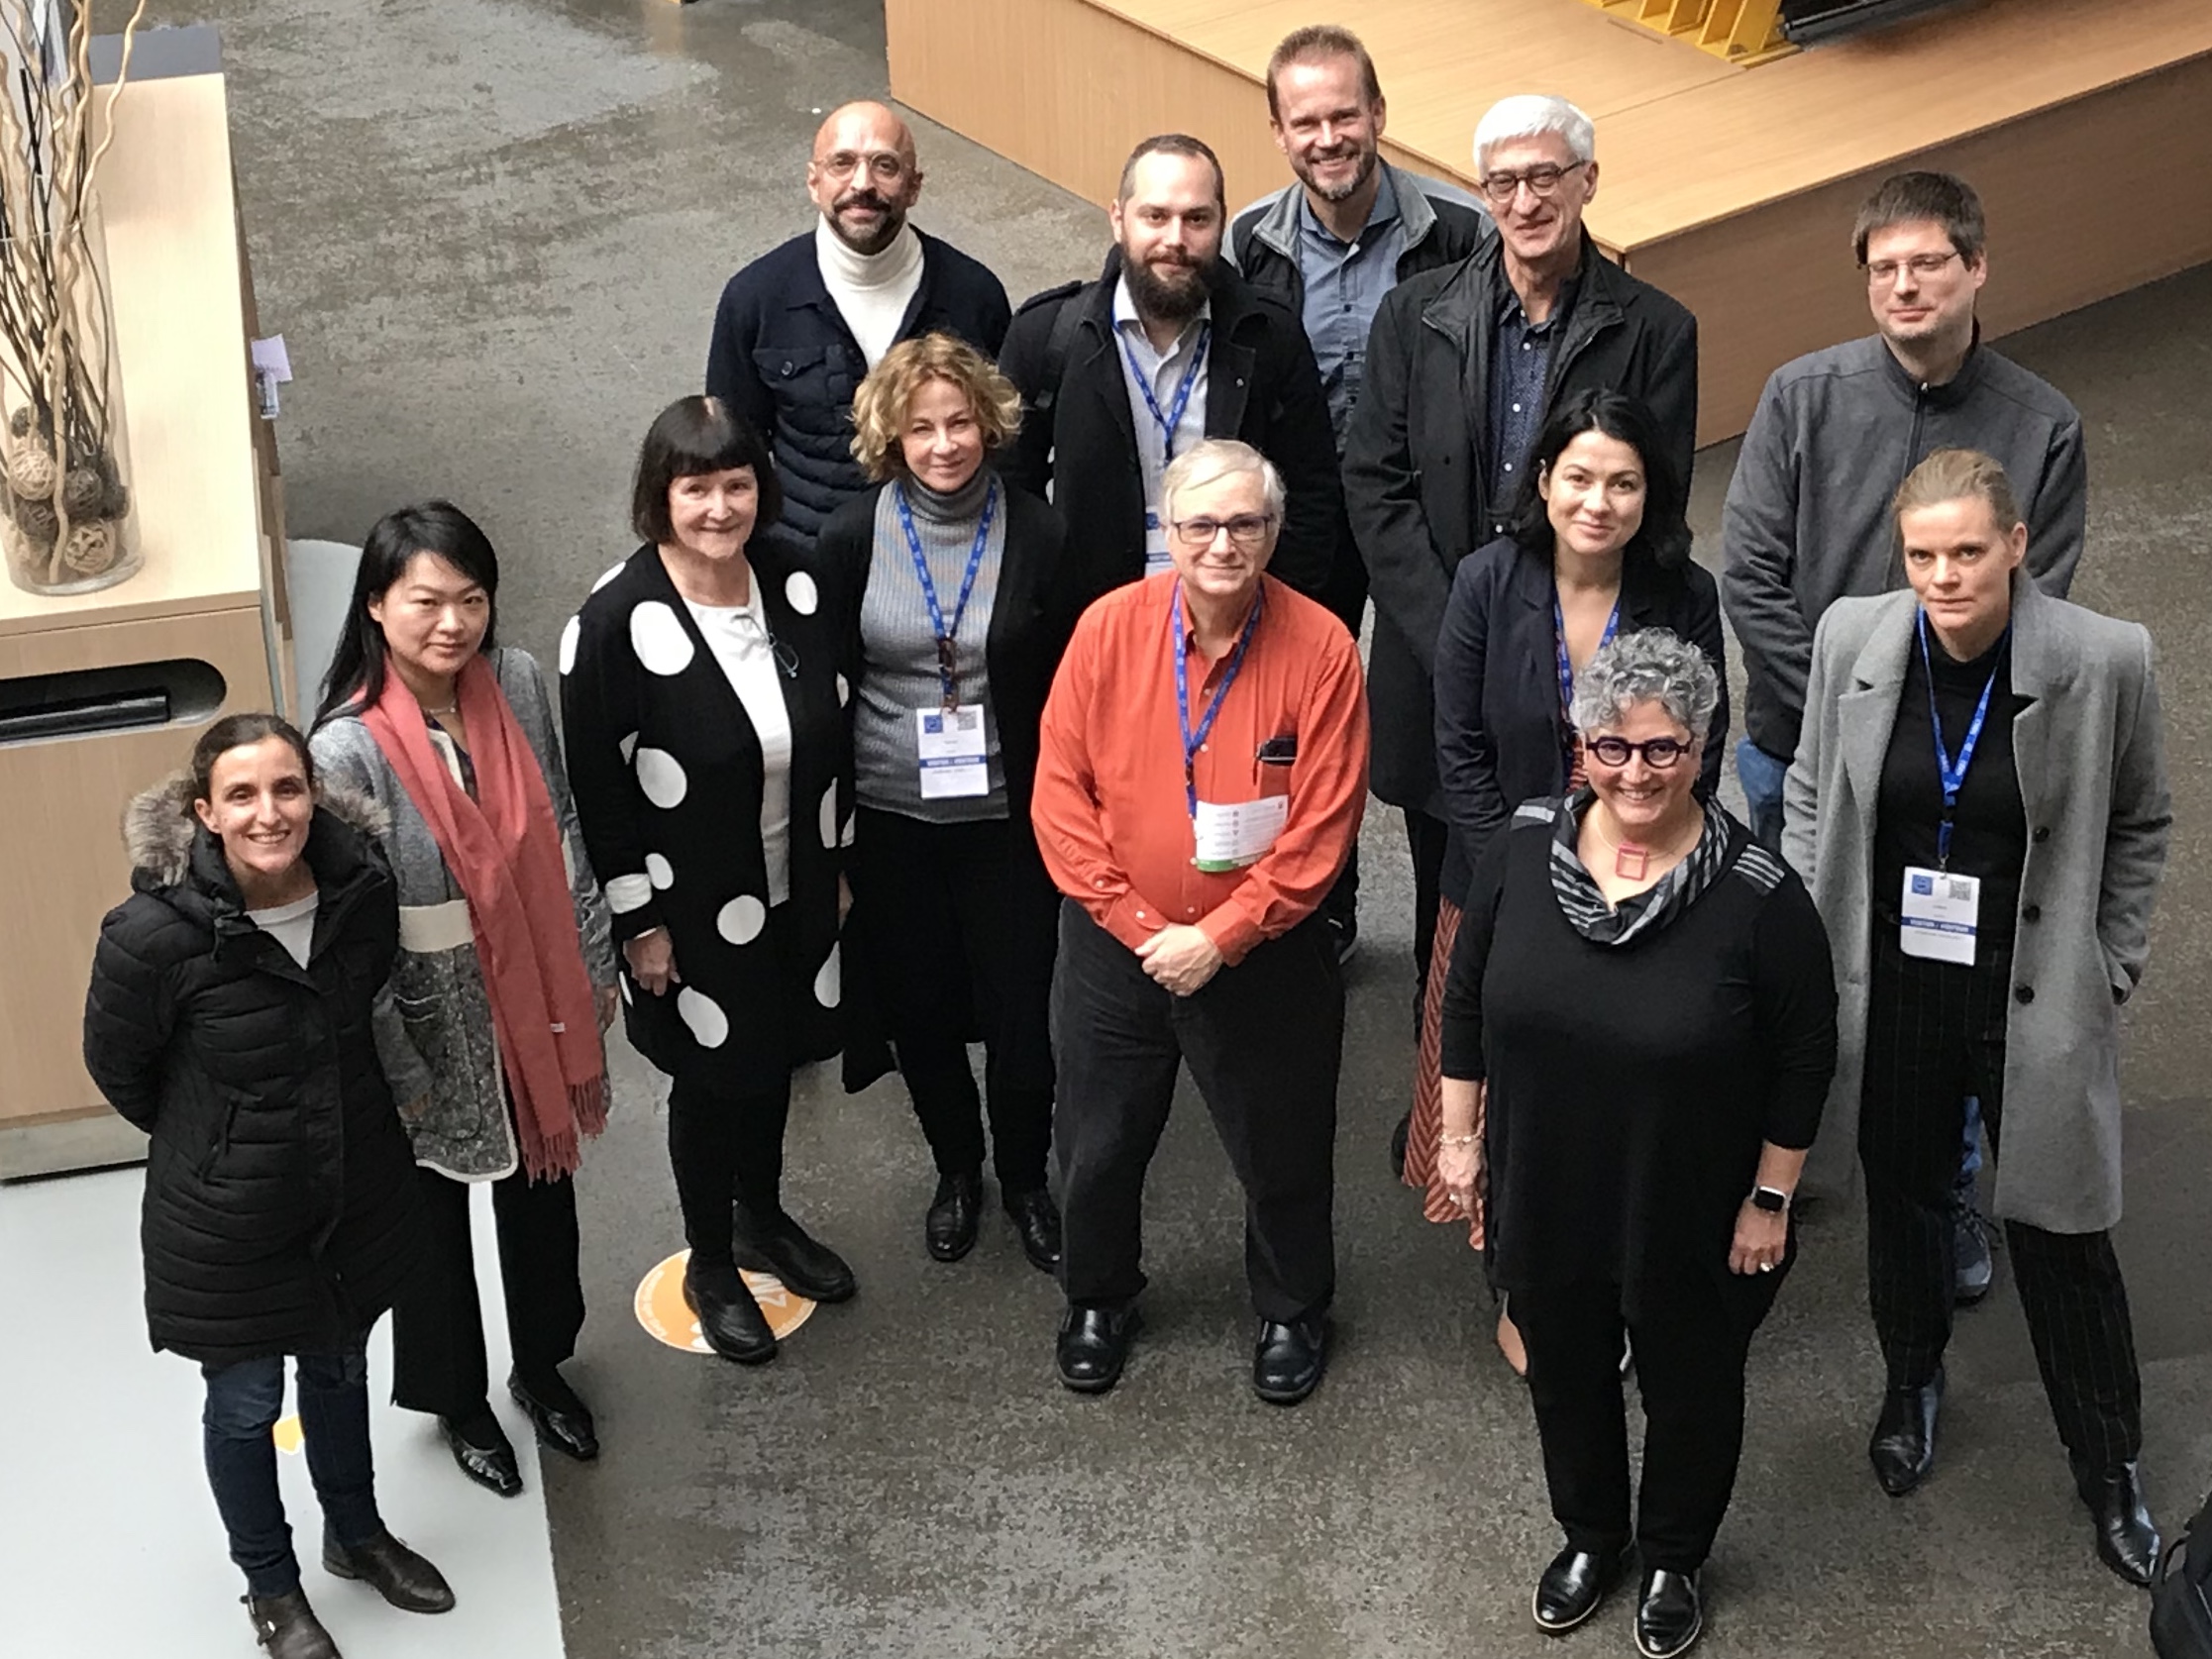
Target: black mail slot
column 87, row 703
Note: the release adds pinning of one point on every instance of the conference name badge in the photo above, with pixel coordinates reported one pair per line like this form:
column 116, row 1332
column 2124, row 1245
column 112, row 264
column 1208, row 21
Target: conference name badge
column 1234, row 834
column 1938, row 916
column 955, row 759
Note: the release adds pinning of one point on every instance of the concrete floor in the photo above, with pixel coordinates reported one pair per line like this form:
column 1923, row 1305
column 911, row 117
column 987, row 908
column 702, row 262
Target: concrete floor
column 492, row 233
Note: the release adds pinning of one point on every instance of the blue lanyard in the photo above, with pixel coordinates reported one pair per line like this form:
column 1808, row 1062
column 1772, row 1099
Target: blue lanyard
column 1172, row 421
column 1951, row 773
column 946, row 636
column 1560, row 636
column 1194, row 740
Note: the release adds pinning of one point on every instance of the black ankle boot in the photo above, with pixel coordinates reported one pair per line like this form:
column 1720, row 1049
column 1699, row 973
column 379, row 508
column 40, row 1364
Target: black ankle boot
column 288, row 1628
column 2127, row 1538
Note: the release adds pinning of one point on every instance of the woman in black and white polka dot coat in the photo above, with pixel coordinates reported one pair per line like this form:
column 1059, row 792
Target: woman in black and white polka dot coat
column 712, row 771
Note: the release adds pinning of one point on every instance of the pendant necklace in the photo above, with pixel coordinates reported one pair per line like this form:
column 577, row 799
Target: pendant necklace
column 1630, row 860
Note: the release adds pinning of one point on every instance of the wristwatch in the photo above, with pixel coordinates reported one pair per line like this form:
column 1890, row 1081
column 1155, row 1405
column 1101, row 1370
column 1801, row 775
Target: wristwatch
column 1772, row 1200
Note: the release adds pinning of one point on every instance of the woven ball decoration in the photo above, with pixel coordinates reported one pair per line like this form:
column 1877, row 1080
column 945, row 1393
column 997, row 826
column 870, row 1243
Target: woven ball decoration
column 83, row 493
column 29, row 471
column 39, row 521
column 90, row 548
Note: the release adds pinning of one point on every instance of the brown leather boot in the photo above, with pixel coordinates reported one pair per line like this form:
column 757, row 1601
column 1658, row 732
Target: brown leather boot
column 288, row 1628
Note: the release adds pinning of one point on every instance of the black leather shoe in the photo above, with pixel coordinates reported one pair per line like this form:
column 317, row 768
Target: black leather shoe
column 2127, row 1538
column 562, row 1421
column 393, row 1570
column 1288, row 1362
column 1037, row 1222
column 1669, row 1614
column 1398, row 1139
column 1973, row 1267
column 780, row 1246
column 729, row 1318
column 483, row 1451
column 949, row 1229
column 1094, row 1346
column 288, row 1628
column 1903, row 1449
column 1573, row 1585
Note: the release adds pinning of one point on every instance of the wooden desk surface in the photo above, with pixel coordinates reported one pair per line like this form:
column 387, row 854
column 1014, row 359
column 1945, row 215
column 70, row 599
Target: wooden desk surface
column 172, row 250
column 1685, row 140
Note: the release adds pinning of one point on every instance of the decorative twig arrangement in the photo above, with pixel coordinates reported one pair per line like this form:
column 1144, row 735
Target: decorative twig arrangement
column 64, row 500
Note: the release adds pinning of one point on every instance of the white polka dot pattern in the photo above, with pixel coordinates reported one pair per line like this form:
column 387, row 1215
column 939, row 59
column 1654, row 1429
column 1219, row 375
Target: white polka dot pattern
column 799, row 589
column 844, row 691
column 704, row 1016
column 740, row 921
column 569, row 637
column 829, row 984
column 659, row 639
column 829, row 817
column 661, row 777
column 608, row 576
column 660, row 871
column 627, row 747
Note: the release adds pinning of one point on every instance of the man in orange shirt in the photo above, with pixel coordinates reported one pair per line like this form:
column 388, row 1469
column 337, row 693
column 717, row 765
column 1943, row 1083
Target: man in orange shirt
column 1202, row 771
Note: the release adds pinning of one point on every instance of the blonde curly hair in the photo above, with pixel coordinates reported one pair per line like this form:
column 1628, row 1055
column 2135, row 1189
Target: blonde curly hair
column 886, row 398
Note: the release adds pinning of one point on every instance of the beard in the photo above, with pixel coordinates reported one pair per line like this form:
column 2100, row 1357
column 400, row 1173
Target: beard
column 866, row 239
column 1169, row 292
column 1351, row 186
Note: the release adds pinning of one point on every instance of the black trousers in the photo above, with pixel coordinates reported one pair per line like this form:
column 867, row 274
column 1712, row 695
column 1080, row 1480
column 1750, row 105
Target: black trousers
column 1692, row 1334
column 437, row 1326
column 964, row 930
column 1263, row 1041
column 1424, row 839
column 1935, row 1034
column 726, row 1149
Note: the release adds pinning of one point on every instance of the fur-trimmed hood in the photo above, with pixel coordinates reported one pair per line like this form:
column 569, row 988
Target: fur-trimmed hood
column 159, row 826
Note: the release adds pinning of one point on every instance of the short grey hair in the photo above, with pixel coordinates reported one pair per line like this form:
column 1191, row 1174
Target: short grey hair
column 1219, row 458
column 1652, row 664
column 1530, row 115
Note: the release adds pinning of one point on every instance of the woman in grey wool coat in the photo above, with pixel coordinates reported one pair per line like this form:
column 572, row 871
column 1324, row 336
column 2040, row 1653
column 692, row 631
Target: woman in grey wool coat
column 1978, row 804
column 505, row 977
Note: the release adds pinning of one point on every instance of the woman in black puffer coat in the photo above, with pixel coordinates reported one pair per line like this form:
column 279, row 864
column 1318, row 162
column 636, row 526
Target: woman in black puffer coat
column 233, row 1015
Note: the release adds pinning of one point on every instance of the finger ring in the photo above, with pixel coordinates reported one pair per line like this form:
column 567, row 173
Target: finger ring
column 1766, row 1266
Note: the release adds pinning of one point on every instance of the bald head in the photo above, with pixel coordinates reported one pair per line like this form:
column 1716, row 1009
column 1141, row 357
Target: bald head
column 864, row 176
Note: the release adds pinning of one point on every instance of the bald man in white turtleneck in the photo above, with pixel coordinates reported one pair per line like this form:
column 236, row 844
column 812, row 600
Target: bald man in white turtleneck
column 799, row 326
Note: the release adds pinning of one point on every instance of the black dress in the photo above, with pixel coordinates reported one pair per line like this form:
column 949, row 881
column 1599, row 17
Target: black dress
column 667, row 771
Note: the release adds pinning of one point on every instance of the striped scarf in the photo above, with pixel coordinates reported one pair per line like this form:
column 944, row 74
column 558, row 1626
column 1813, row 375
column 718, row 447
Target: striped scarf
column 1585, row 907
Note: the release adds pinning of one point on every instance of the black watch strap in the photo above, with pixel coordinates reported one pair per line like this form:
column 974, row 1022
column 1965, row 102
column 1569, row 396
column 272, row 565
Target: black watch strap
column 1772, row 1200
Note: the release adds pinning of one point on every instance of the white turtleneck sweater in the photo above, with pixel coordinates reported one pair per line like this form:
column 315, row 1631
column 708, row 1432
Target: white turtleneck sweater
column 872, row 290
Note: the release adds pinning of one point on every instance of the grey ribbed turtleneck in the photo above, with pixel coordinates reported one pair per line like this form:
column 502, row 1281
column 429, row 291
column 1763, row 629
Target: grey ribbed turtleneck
column 899, row 648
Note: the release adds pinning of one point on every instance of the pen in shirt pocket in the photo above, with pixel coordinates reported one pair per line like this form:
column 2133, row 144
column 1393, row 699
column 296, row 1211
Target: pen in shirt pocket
column 1272, row 765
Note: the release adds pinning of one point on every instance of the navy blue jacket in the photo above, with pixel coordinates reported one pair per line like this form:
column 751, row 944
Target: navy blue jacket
column 784, row 358
column 1500, row 739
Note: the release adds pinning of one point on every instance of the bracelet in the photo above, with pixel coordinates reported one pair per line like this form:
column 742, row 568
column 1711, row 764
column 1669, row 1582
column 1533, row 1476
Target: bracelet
column 1468, row 1139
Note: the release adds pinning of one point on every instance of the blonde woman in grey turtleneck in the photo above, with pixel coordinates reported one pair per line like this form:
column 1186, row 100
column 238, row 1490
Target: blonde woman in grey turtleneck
column 960, row 605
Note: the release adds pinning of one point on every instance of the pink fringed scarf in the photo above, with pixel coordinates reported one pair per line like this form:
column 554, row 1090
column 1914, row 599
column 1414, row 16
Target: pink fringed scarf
column 504, row 849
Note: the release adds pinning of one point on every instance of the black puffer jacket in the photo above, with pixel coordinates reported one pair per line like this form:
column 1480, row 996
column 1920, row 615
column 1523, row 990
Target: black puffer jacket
column 281, row 1214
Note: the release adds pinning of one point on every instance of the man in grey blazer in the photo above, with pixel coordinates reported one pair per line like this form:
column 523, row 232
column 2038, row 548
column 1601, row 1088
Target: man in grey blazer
column 2049, row 801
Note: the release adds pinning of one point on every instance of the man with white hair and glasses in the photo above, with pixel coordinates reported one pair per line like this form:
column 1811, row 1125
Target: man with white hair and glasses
column 1201, row 772
column 1463, row 366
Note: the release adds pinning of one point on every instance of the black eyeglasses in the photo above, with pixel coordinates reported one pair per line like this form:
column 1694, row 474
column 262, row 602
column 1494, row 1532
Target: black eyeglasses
column 1500, row 188
column 1880, row 273
column 786, row 659
column 1246, row 530
column 1659, row 752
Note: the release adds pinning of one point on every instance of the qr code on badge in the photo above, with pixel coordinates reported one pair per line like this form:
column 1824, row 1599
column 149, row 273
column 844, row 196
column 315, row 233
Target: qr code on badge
column 1924, row 887
column 1960, row 888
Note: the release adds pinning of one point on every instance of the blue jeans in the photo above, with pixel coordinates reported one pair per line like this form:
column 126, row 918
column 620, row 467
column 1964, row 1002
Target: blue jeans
column 244, row 1401
column 1761, row 776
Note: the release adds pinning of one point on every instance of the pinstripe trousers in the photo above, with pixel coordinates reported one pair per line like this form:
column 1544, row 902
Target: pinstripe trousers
column 1936, row 1034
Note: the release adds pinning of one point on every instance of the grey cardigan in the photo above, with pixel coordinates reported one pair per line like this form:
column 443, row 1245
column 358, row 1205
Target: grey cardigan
column 437, row 985
column 2092, row 777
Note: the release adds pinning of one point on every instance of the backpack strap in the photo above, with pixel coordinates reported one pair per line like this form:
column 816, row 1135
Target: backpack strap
column 1058, row 343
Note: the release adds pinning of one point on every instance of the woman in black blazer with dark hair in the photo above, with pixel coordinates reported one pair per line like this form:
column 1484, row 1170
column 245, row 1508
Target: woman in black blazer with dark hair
column 960, row 600
column 1598, row 546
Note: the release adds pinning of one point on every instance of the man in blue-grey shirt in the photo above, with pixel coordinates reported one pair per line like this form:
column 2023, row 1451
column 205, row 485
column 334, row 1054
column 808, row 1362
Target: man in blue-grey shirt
column 1330, row 247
